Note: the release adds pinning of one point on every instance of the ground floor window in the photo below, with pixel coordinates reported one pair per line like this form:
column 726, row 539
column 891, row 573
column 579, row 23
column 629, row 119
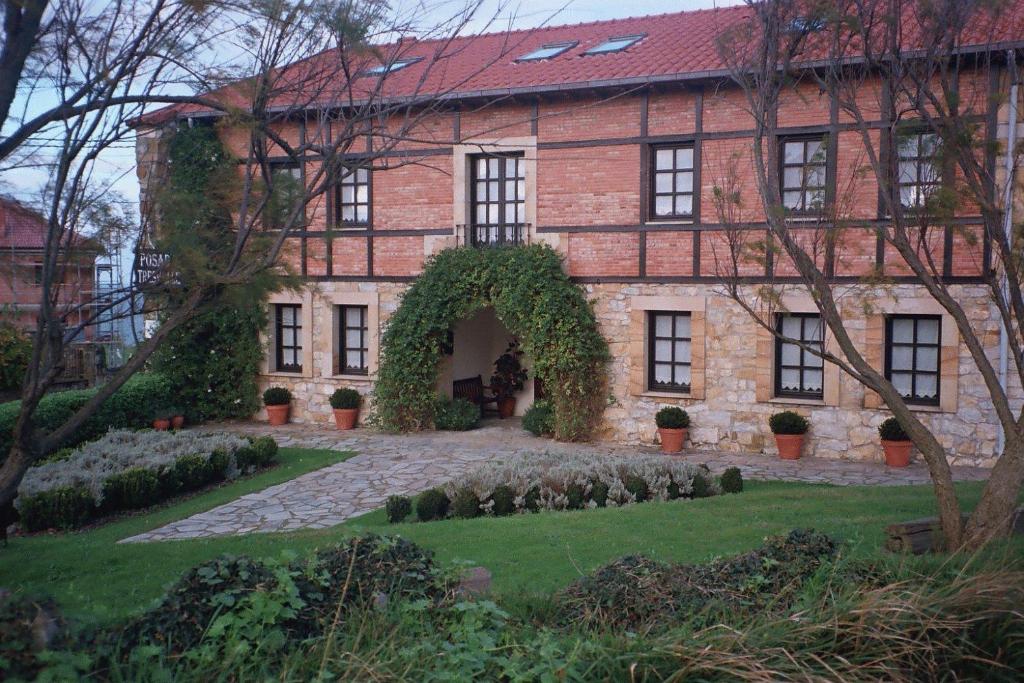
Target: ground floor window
column 912, row 356
column 669, row 351
column 799, row 372
column 352, row 342
column 288, row 337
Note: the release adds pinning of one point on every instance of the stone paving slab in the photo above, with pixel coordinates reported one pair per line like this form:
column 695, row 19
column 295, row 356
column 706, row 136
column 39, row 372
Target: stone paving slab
column 388, row 464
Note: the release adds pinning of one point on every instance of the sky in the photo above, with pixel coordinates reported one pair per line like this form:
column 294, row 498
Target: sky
column 117, row 166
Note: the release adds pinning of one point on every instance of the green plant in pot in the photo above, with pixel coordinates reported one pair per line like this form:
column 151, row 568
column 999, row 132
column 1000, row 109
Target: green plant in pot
column 672, row 423
column 789, row 429
column 177, row 417
column 162, row 419
column 895, row 443
column 345, row 402
column 508, row 378
column 278, row 401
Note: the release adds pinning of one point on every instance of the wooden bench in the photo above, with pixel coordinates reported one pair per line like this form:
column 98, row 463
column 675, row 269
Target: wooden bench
column 472, row 389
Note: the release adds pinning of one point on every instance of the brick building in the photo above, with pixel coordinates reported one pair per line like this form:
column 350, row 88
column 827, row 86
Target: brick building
column 607, row 141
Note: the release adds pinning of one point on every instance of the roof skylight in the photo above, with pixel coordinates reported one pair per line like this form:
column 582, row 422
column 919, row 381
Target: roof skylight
column 391, row 67
column 548, row 51
column 616, row 44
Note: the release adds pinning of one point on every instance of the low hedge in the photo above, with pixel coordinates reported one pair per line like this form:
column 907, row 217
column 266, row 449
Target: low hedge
column 108, row 476
column 456, row 415
column 133, row 406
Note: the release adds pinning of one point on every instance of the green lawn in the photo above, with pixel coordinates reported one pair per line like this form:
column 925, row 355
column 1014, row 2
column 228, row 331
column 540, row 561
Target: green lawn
column 92, row 576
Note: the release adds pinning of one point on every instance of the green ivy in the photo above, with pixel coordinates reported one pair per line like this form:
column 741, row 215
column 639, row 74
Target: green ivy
column 537, row 302
column 15, row 352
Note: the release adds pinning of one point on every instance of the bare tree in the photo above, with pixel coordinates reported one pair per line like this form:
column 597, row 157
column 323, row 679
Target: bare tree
column 313, row 64
column 892, row 67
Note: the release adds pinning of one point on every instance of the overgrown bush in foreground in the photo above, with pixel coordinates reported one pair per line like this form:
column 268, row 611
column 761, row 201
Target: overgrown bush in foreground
column 127, row 470
column 528, row 483
column 456, row 414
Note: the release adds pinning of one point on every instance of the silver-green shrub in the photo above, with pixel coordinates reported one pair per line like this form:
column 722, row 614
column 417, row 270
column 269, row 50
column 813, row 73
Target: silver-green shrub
column 551, row 476
column 91, row 465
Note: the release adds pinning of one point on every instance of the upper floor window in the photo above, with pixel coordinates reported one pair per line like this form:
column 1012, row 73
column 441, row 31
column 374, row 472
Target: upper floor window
column 672, row 188
column 548, row 51
column 37, row 274
column 669, row 351
column 286, row 195
column 352, row 197
column 912, row 357
column 616, row 44
column 918, row 171
column 799, row 372
column 803, row 174
column 497, row 198
column 288, row 337
column 352, row 342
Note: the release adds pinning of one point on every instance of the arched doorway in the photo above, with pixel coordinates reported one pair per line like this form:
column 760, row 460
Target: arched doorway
column 532, row 300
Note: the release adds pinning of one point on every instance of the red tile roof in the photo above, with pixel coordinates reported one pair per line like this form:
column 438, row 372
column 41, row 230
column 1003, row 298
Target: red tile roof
column 675, row 47
column 20, row 226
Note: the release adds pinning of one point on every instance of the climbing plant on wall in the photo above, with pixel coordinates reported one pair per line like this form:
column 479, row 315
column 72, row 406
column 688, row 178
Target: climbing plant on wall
column 532, row 296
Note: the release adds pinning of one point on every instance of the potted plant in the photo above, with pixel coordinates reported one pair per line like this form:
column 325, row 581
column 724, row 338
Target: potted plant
column 162, row 420
column 177, row 418
column 789, row 429
column 278, row 401
column 508, row 378
column 345, row 403
column 672, row 424
column 895, row 443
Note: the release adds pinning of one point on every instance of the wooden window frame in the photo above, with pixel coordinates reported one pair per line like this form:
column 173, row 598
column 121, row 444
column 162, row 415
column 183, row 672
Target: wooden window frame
column 346, row 172
column 914, row 345
column 801, row 393
column 804, row 189
column 280, row 346
column 920, row 162
column 344, row 349
column 502, row 226
column 276, row 166
column 653, row 338
column 653, row 194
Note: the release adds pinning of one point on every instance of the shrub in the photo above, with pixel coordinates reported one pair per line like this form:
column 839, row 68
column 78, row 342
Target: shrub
column 636, row 592
column 892, row 430
column 432, row 504
column 346, row 399
column 398, row 508
column 67, row 507
column 539, row 419
column 732, row 480
column 456, row 415
column 599, row 493
column 638, row 487
column 212, row 362
column 504, row 500
column 672, row 417
column 277, row 396
column 129, row 470
column 575, row 497
column 131, row 489
column 702, row 484
column 130, row 407
column 465, row 504
column 788, row 422
column 21, row 624
column 15, row 352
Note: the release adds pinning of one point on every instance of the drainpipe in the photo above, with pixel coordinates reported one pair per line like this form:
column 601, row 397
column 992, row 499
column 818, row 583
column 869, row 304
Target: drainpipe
column 1011, row 144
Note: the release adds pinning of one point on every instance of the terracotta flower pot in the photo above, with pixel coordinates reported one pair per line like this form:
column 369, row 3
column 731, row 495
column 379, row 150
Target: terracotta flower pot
column 346, row 418
column 897, row 453
column 161, row 424
column 278, row 415
column 789, row 445
column 506, row 406
column 672, row 439
column 178, row 421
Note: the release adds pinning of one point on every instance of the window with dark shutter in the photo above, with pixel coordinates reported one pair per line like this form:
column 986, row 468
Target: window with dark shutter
column 497, row 199
column 352, row 342
column 799, row 373
column 668, row 353
column 672, row 182
column 912, row 357
column 288, row 337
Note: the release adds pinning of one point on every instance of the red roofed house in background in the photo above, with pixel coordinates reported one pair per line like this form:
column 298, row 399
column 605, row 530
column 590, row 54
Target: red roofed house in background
column 606, row 141
column 22, row 240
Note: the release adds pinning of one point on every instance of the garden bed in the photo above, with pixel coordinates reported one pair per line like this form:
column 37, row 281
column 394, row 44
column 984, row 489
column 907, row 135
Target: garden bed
column 531, row 483
column 127, row 470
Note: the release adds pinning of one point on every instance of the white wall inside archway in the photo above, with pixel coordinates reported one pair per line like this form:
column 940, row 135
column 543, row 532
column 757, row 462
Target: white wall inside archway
column 479, row 340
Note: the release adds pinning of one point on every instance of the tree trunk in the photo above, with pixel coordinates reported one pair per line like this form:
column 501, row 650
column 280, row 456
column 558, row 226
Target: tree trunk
column 18, row 460
column 994, row 514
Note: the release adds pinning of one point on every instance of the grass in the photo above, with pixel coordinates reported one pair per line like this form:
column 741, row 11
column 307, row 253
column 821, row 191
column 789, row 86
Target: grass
column 92, row 576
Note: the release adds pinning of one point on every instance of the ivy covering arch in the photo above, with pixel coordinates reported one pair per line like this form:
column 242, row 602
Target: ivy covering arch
column 536, row 301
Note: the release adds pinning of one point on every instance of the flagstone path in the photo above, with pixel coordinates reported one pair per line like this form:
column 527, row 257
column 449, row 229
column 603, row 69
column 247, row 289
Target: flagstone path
column 387, row 465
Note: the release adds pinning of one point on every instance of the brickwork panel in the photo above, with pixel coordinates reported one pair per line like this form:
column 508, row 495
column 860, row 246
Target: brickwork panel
column 717, row 248
column 397, row 256
column 669, row 253
column 316, row 256
column 855, row 251
column 348, row 256
column 589, row 119
column 671, row 113
column 414, row 195
column 729, row 165
column 968, row 251
column 594, row 185
column 495, row 120
column 608, row 254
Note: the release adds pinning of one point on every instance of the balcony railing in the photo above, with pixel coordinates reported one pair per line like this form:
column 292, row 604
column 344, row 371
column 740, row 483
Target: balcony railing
column 493, row 235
